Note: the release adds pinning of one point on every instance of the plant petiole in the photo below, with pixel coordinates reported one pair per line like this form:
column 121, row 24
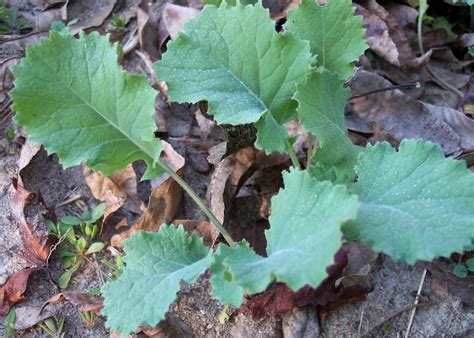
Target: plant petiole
column 182, row 183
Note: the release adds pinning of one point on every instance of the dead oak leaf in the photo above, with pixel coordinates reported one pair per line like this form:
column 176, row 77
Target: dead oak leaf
column 82, row 301
column 12, row 291
column 164, row 200
column 117, row 190
column 36, row 242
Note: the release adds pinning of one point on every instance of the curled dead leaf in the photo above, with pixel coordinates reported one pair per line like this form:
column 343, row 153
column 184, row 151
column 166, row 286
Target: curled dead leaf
column 386, row 38
column 36, row 242
column 82, row 301
column 28, row 316
column 12, row 291
column 175, row 17
column 117, row 190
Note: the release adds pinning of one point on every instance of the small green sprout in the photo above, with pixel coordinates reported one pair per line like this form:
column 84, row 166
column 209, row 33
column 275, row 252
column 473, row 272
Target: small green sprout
column 10, row 20
column 118, row 21
column 81, row 243
column 10, row 323
column 52, row 327
column 465, row 269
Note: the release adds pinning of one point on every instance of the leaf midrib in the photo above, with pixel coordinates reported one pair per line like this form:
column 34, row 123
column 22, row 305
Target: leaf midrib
column 66, row 85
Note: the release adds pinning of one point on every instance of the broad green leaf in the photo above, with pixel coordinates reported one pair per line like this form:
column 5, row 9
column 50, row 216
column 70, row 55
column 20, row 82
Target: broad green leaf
column 322, row 100
column 71, row 96
column 304, row 235
column 271, row 135
column 226, row 291
column 415, row 203
column 156, row 264
column 233, row 58
column 230, row 2
column 71, row 220
column 335, row 34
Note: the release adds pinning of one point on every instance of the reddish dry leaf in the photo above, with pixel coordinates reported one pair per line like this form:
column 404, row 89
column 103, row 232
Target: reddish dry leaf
column 117, row 190
column 279, row 299
column 36, row 245
column 175, row 17
column 82, row 301
column 12, row 291
column 462, row 288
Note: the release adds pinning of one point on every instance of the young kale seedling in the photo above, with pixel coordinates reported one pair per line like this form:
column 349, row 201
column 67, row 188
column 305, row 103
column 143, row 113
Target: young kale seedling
column 412, row 204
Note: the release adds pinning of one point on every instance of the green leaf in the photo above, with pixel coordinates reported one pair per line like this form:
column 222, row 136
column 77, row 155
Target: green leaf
column 416, row 204
column 233, row 58
column 66, row 276
column 335, row 34
column 10, row 323
column 322, row 100
column 71, row 96
column 470, row 264
column 304, row 236
column 94, row 247
column 226, row 291
column 156, row 265
column 271, row 135
column 460, row 271
column 98, row 212
column 71, row 220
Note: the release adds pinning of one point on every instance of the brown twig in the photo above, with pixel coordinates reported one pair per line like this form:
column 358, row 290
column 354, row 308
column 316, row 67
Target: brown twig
column 408, row 86
column 399, row 312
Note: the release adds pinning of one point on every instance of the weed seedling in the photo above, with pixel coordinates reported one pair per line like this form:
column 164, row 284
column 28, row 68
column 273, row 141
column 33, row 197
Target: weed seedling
column 10, row 20
column 10, row 323
column 463, row 270
column 81, row 243
column 52, row 327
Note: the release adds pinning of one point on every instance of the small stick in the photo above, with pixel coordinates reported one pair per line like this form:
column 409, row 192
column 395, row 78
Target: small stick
column 417, row 298
column 415, row 85
column 399, row 312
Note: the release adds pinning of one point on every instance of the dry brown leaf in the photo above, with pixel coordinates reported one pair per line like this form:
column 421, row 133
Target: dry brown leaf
column 117, row 190
column 28, row 316
column 12, row 291
column 404, row 117
column 151, row 31
column 164, row 201
column 82, row 301
column 225, row 179
column 88, row 13
column 28, row 151
column 35, row 236
column 175, row 17
column 385, row 36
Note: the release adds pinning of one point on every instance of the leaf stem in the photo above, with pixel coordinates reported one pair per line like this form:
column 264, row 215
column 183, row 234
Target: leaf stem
column 291, row 152
column 182, row 183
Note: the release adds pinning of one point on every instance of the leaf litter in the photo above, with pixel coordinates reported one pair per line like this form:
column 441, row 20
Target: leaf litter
column 456, row 126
